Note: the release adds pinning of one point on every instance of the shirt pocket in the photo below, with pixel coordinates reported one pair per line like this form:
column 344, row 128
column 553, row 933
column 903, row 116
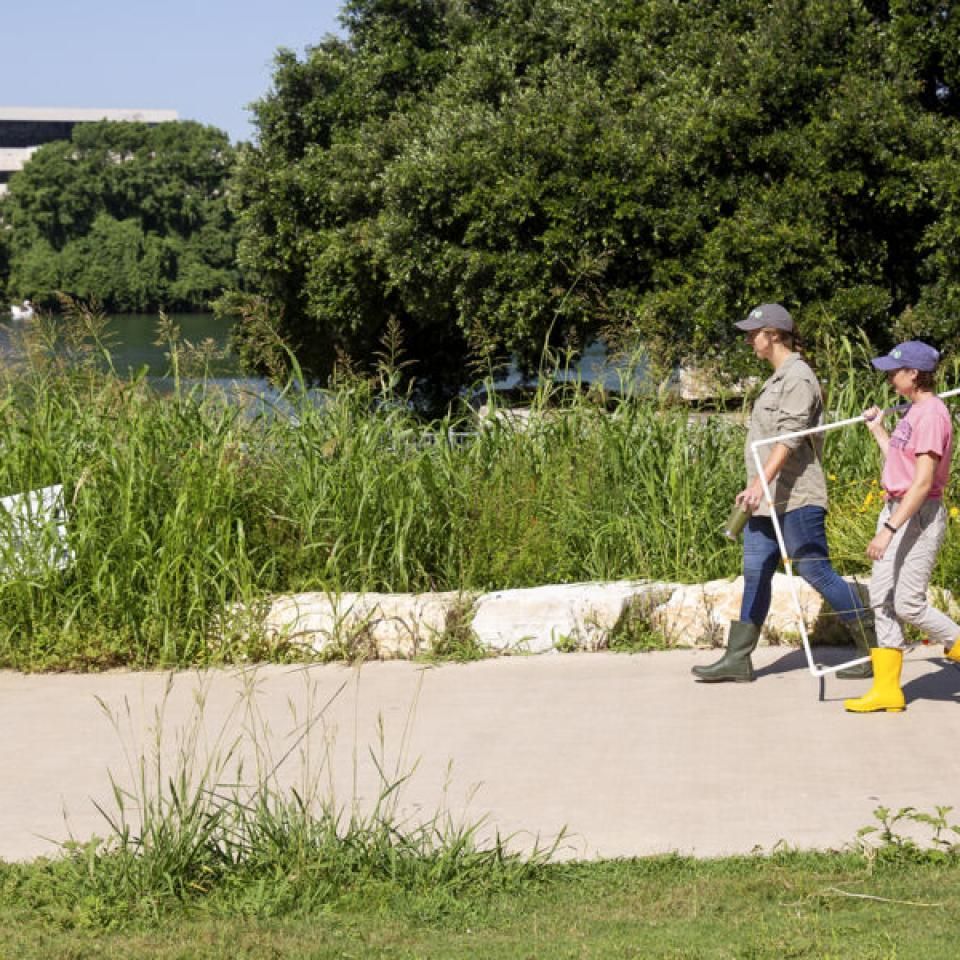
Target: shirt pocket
column 769, row 408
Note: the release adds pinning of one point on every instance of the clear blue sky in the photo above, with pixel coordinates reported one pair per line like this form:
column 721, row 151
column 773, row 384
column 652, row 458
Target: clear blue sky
column 206, row 59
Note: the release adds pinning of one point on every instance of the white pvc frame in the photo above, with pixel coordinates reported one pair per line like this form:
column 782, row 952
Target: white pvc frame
column 816, row 670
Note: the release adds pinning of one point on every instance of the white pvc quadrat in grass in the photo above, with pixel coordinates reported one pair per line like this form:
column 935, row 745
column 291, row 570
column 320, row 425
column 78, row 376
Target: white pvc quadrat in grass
column 815, row 669
column 33, row 533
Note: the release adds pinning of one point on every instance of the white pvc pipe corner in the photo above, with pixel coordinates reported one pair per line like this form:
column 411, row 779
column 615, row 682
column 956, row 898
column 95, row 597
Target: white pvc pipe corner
column 817, row 671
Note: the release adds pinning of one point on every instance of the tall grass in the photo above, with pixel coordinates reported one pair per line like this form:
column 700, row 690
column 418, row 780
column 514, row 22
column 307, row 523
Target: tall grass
column 214, row 822
column 183, row 506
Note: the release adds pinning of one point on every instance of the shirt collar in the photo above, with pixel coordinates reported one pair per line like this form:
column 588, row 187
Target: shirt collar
column 781, row 372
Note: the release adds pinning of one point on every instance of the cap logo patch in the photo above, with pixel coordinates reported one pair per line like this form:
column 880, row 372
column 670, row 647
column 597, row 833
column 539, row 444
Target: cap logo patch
column 896, row 354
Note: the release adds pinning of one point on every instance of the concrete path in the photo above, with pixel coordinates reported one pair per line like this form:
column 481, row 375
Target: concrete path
column 625, row 752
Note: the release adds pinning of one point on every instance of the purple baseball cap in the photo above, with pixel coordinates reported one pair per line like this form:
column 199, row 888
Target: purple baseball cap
column 767, row 315
column 911, row 355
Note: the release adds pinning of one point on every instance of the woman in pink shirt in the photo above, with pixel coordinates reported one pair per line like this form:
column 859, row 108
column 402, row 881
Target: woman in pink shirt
column 912, row 524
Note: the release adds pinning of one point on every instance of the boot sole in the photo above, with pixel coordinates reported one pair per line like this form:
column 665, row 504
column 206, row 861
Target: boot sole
column 700, row 679
column 874, row 709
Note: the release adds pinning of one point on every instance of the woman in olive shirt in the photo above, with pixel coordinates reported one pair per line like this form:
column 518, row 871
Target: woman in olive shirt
column 790, row 401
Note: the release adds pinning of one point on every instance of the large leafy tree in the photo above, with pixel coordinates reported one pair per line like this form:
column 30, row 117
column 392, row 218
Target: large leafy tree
column 494, row 176
column 132, row 214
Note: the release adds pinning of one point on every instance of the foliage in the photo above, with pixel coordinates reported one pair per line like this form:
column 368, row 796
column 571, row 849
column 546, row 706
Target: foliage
column 132, row 214
column 786, row 904
column 458, row 640
column 212, row 821
column 635, row 631
column 183, row 506
column 497, row 176
column 929, row 835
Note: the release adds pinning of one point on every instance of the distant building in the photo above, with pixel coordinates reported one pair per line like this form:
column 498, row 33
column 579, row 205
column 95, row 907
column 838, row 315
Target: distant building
column 23, row 129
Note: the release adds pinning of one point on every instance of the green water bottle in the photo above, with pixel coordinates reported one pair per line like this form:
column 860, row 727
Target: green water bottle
column 737, row 520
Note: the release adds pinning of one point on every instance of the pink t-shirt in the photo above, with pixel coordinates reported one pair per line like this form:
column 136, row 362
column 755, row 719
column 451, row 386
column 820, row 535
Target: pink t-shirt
column 925, row 428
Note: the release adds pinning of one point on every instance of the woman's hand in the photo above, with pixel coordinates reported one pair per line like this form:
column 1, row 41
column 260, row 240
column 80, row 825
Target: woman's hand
column 873, row 416
column 877, row 547
column 752, row 496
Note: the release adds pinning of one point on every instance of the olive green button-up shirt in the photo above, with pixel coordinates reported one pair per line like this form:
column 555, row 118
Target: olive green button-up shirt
column 790, row 400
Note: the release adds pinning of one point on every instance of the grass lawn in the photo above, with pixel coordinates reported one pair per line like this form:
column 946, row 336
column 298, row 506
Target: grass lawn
column 900, row 904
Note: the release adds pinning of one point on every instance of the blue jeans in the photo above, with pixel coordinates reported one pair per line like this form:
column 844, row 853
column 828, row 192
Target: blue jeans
column 805, row 537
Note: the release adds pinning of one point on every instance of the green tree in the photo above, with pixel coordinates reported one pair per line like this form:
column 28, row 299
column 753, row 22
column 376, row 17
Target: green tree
column 494, row 176
column 4, row 249
column 135, row 215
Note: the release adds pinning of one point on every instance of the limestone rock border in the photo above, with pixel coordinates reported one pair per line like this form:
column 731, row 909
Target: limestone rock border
column 560, row 617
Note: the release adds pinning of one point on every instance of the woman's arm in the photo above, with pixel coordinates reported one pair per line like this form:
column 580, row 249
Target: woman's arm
column 911, row 502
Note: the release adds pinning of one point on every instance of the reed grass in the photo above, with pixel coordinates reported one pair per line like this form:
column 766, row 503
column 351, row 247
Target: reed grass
column 184, row 506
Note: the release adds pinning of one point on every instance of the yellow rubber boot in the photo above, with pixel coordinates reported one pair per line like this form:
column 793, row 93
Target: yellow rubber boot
column 885, row 694
column 953, row 653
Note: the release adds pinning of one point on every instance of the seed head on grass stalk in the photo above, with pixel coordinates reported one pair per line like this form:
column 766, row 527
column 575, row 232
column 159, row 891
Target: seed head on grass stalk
column 197, row 831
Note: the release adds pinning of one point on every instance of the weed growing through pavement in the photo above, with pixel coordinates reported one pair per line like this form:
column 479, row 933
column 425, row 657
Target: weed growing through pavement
column 458, row 641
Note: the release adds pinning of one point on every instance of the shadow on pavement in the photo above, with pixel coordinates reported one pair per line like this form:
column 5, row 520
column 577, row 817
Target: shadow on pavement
column 943, row 684
column 796, row 659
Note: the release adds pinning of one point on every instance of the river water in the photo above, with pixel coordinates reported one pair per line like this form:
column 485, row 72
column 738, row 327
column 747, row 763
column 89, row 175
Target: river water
column 132, row 340
column 133, row 336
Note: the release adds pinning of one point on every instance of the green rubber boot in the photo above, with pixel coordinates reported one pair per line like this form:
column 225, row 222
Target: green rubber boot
column 864, row 636
column 735, row 664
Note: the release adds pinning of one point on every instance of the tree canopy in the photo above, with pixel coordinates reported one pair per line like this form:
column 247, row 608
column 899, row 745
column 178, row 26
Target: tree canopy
column 131, row 214
column 496, row 174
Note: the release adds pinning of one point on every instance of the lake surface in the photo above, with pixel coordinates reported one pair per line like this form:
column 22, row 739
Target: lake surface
column 135, row 348
column 132, row 340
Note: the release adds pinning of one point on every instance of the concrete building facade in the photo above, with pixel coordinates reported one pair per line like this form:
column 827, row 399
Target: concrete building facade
column 24, row 129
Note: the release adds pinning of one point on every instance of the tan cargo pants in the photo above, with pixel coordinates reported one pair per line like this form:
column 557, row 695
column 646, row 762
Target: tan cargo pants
column 898, row 584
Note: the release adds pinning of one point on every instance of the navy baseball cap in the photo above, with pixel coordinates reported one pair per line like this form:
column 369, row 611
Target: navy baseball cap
column 910, row 355
column 767, row 315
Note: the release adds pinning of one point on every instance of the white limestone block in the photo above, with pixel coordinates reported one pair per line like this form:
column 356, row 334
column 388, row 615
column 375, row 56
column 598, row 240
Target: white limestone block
column 362, row 624
column 700, row 613
column 539, row 619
